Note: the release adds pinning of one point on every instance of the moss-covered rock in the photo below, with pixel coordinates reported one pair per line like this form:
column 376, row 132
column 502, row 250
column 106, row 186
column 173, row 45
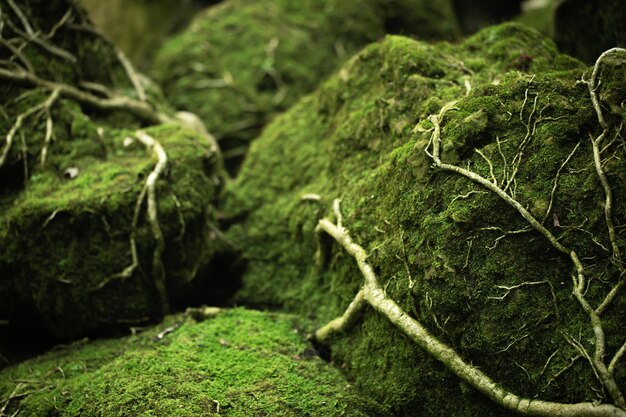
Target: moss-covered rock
column 241, row 62
column 445, row 248
column 71, row 181
column 64, row 238
column 239, row 363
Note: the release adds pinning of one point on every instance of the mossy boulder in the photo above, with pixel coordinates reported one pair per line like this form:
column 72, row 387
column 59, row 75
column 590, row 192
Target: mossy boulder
column 64, row 238
column 445, row 248
column 72, row 173
column 242, row 61
column 239, row 363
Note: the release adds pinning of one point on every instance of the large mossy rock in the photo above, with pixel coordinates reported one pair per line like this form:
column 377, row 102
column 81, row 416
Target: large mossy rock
column 444, row 247
column 72, row 175
column 243, row 61
column 241, row 363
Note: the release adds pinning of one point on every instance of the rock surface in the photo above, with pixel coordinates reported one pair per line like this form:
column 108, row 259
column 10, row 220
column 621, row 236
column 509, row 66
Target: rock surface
column 74, row 180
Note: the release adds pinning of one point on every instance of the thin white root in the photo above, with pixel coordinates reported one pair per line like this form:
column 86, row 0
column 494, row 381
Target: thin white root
column 44, row 106
column 596, row 143
column 621, row 352
column 148, row 193
column 158, row 269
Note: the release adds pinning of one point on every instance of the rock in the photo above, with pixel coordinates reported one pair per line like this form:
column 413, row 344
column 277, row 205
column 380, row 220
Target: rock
column 450, row 252
column 239, row 363
column 243, row 61
column 97, row 229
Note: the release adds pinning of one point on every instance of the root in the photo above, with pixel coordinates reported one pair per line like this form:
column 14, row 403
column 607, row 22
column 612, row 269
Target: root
column 373, row 294
column 148, row 193
column 45, row 106
column 139, row 109
column 158, row 269
column 593, row 85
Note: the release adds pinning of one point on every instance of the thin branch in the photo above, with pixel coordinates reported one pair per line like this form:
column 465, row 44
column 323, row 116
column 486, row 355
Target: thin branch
column 140, row 109
column 616, row 358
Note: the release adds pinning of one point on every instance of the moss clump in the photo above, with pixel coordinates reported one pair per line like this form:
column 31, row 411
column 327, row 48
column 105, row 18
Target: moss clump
column 240, row 363
column 243, row 61
column 438, row 242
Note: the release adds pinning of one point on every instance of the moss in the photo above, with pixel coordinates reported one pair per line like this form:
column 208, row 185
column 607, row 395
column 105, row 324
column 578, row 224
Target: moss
column 242, row 61
column 240, row 363
column 63, row 237
column 436, row 239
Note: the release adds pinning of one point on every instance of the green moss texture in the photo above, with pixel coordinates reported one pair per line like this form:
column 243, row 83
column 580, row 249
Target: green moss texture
column 443, row 247
column 242, row 61
column 240, row 363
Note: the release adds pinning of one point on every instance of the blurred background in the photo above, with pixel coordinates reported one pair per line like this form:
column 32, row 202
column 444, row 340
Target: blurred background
column 582, row 28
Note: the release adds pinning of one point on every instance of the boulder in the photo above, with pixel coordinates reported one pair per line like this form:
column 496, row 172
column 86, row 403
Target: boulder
column 103, row 220
column 453, row 254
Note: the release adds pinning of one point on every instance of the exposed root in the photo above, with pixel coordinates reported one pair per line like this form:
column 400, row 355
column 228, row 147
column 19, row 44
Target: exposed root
column 621, row 352
column 579, row 279
column 373, row 294
column 44, row 106
column 158, row 269
column 148, row 194
column 593, row 85
column 141, row 110
column 344, row 322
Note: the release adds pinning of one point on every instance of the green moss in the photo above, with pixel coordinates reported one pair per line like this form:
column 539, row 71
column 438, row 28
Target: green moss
column 240, row 363
column 435, row 239
column 63, row 237
column 241, row 62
